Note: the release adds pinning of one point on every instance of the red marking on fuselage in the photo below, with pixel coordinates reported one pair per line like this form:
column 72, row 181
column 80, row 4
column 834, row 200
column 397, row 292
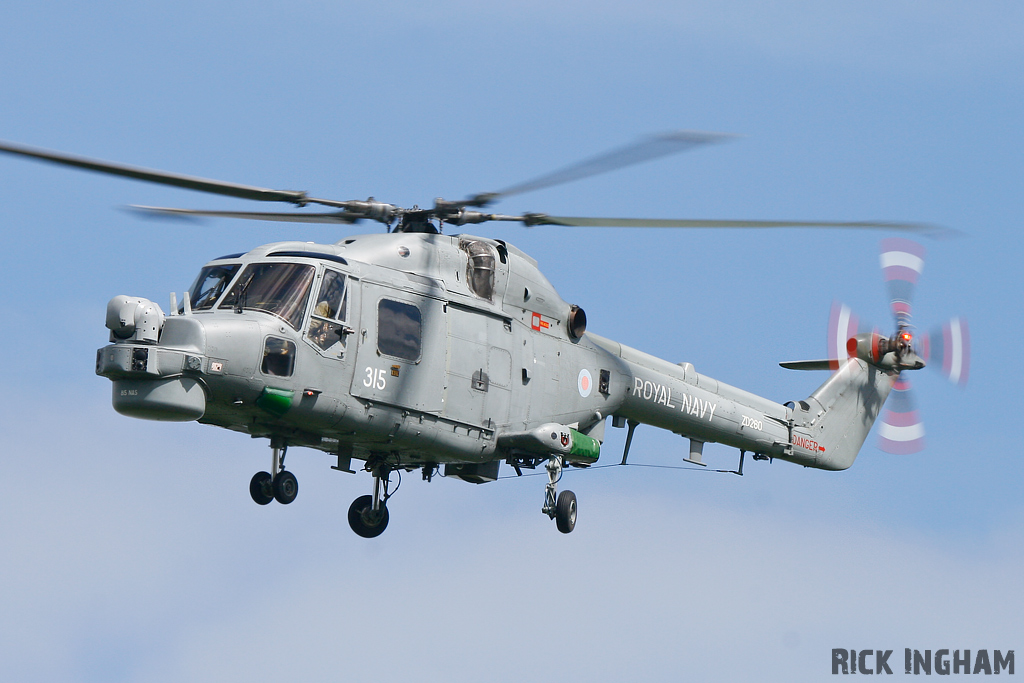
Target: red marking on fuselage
column 807, row 444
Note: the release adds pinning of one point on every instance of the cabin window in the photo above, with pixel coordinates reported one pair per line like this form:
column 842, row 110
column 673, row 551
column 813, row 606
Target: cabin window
column 278, row 357
column 325, row 328
column 399, row 329
column 281, row 289
column 208, row 287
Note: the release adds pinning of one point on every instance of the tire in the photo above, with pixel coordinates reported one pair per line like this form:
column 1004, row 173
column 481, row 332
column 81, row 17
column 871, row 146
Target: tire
column 286, row 487
column 261, row 489
column 363, row 520
column 565, row 511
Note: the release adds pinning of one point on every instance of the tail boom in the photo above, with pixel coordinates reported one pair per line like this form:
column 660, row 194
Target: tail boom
column 825, row 431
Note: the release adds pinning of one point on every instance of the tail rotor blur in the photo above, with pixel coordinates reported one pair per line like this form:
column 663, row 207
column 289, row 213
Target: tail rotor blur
column 842, row 325
column 902, row 263
column 901, row 430
column 946, row 349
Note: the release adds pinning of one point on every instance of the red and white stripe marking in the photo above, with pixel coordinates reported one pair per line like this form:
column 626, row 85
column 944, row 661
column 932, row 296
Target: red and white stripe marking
column 902, row 259
column 900, row 430
column 956, row 359
column 842, row 325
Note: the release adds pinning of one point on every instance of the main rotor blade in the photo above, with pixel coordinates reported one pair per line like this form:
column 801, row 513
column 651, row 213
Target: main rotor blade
column 646, row 149
column 589, row 222
column 329, row 217
column 162, row 177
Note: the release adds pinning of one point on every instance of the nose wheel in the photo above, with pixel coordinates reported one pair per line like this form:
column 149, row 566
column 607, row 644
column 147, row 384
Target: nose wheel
column 286, row 487
column 261, row 488
column 281, row 486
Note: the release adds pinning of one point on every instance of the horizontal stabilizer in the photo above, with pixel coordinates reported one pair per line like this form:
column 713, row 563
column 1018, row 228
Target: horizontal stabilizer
column 810, row 364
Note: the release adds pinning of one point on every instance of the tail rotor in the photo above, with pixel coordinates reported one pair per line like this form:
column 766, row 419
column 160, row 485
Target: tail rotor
column 901, row 430
column 947, row 348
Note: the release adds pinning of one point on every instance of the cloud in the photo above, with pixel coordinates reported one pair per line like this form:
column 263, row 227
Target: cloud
column 132, row 552
column 708, row 593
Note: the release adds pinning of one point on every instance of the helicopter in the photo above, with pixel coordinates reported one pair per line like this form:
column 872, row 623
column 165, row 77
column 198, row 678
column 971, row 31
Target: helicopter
column 412, row 349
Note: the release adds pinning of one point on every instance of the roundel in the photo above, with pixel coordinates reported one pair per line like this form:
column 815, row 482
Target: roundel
column 585, row 383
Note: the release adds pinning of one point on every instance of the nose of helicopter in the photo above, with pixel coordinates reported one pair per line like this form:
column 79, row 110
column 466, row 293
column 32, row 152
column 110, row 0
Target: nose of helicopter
column 180, row 399
column 154, row 379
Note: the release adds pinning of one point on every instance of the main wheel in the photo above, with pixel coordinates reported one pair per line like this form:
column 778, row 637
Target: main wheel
column 565, row 511
column 286, row 487
column 261, row 489
column 364, row 521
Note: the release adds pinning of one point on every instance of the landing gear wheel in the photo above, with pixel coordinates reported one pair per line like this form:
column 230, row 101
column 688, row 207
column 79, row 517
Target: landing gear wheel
column 565, row 511
column 261, row 489
column 286, row 487
column 364, row 521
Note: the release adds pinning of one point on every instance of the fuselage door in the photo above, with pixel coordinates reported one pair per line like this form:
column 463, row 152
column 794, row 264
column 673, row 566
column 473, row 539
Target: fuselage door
column 401, row 349
column 480, row 367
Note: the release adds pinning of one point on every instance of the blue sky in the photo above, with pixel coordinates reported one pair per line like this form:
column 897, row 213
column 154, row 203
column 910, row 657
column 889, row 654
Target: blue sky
column 131, row 549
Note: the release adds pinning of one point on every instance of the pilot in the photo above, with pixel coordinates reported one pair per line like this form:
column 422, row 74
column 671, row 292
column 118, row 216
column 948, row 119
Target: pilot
column 320, row 330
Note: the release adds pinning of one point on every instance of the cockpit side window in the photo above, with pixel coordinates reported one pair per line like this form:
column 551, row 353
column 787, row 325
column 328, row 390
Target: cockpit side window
column 278, row 288
column 330, row 309
column 208, row 287
column 330, row 303
column 278, row 357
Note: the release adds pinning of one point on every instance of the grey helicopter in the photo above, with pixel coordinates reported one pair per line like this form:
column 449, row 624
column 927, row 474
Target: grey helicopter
column 412, row 349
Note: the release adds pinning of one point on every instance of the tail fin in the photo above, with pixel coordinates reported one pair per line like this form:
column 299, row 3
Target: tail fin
column 839, row 414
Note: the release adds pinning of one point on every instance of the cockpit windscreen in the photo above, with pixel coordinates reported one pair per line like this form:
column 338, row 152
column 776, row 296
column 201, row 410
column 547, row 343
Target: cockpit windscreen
column 208, row 287
column 278, row 288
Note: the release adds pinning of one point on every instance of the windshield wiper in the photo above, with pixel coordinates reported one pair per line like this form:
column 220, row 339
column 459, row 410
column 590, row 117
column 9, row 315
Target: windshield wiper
column 240, row 301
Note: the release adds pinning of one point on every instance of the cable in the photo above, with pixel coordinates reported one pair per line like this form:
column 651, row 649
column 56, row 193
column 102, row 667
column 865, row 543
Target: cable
column 397, row 486
column 619, row 464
